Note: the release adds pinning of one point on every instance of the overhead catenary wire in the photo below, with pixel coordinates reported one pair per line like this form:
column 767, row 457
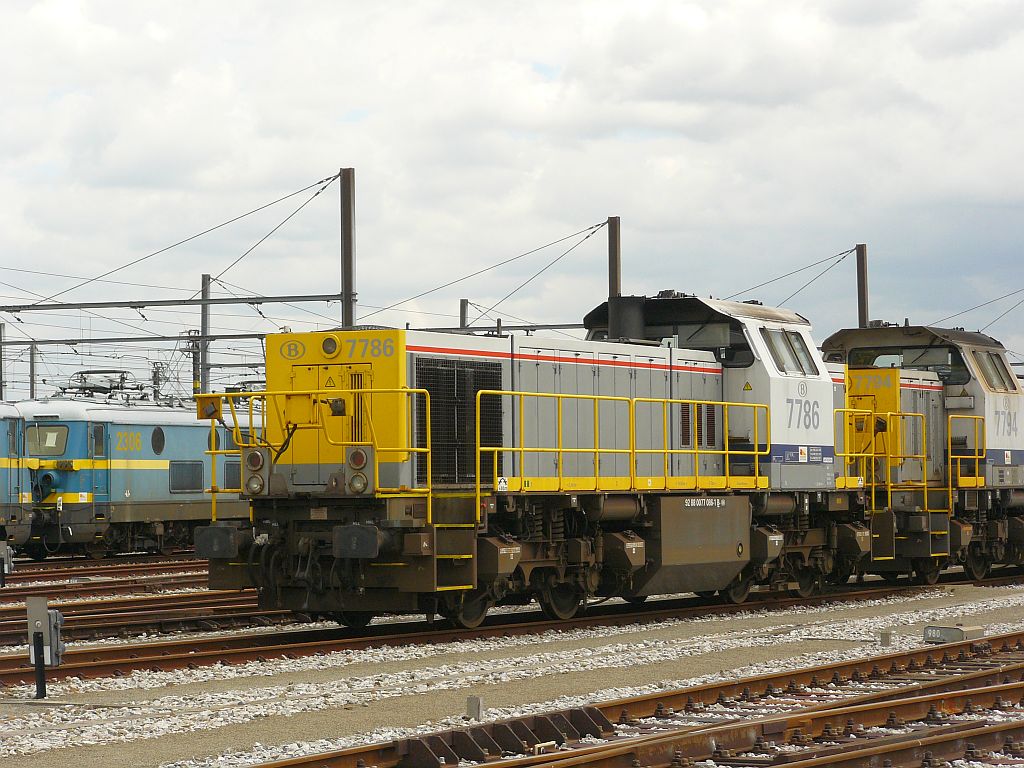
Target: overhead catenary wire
column 541, row 271
column 813, row 279
column 326, row 183
column 841, row 255
column 979, row 306
column 591, row 229
column 1004, row 314
column 187, row 239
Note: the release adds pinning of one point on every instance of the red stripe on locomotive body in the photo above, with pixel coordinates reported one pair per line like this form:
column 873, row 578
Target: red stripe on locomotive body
column 928, row 387
column 557, row 359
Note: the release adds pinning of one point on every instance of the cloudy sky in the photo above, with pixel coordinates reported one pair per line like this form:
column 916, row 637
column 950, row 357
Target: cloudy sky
column 737, row 141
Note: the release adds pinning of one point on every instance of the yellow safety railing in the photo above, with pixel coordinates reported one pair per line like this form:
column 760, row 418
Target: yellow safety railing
column 629, row 480
column 857, row 422
column 896, row 426
column 975, row 454
column 559, row 482
column 669, row 481
column 276, row 408
column 213, row 452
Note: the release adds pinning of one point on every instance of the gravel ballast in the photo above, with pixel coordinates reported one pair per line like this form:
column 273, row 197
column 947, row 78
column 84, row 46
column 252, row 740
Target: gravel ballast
column 258, row 711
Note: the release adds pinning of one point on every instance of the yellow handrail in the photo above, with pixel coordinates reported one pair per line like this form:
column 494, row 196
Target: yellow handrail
column 857, row 459
column 977, row 456
column 696, row 450
column 632, row 451
column 895, row 421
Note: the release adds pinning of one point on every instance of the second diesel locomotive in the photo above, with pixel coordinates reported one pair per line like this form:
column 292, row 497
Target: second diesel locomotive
column 687, row 444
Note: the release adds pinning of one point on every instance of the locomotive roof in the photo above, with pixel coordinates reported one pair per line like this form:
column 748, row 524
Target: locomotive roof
column 917, row 335
column 670, row 308
column 69, row 409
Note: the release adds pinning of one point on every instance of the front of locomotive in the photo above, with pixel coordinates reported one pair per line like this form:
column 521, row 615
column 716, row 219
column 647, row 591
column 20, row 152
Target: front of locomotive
column 15, row 521
column 332, row 480
column 64, row 454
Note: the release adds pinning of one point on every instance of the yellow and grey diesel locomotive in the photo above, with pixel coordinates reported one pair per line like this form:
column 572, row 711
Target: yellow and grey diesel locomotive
column 686, row 445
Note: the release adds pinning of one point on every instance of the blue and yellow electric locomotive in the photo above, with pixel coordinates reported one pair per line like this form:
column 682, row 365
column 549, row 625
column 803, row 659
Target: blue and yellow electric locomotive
column 110, row 472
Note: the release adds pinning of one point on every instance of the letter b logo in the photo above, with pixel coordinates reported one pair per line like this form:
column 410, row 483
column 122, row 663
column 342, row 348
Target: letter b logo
column 293, row 350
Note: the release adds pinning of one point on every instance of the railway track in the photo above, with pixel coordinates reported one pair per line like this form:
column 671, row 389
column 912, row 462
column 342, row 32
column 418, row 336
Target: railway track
column 103, row 585
column 77, row 570
column 915, row 708
column 164, row 613
column 84, row 561
column 107, row 660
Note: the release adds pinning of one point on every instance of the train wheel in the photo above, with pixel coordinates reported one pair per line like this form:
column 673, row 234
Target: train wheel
column 976, row 565
column 353, row 619
column 738, row 591
column 926, row 571
column 807, row 583
column 562, row 601
column 96, row 551
column 471, row 613
column 635, row 599
column 890, row 577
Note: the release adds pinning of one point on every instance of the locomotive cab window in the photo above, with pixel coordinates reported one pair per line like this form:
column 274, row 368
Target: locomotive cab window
column 46, row 439
column 789, row 351
column 946, row 361
column 97, row 443
column 994, row 371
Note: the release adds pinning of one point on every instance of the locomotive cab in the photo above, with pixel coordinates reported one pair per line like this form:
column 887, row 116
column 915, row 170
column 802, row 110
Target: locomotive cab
column 950, row 406
column 767, row 356
column 15, row 521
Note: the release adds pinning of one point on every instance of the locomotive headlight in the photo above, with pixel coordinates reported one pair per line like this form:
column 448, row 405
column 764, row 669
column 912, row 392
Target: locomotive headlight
column 254, row 485
column 330, row 346
column 357, row 458
column 358, row 483
column 254, row 461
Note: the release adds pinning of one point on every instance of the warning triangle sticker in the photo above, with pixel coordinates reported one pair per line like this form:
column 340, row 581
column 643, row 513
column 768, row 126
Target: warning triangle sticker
column 747, row 387
column 330, row 383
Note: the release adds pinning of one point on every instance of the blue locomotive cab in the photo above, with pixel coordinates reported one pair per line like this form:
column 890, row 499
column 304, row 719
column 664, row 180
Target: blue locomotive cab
column 14, row 522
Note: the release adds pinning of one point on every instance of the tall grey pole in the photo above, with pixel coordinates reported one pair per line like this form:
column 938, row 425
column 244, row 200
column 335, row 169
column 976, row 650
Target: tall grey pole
column 862, row 285
column 194, row 348
column 204, row 345
column 463, row 313
column 32, row 372
column 348, row 246
column 1, row 361
column 614, row 258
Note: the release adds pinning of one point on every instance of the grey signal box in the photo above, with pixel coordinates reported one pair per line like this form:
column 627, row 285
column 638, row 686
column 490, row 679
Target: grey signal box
column 48, row 621
column 6, row 559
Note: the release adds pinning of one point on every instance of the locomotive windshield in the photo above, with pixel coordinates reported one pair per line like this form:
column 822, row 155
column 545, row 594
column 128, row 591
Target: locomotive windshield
column 994, row 370
column 46, row 439
column 946, row 361
column 789, row 352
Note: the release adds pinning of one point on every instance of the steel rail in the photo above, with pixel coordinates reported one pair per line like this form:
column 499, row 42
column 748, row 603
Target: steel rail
column 21, row 576
column 111, row 586
column 915, row 699
column 192, row 652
